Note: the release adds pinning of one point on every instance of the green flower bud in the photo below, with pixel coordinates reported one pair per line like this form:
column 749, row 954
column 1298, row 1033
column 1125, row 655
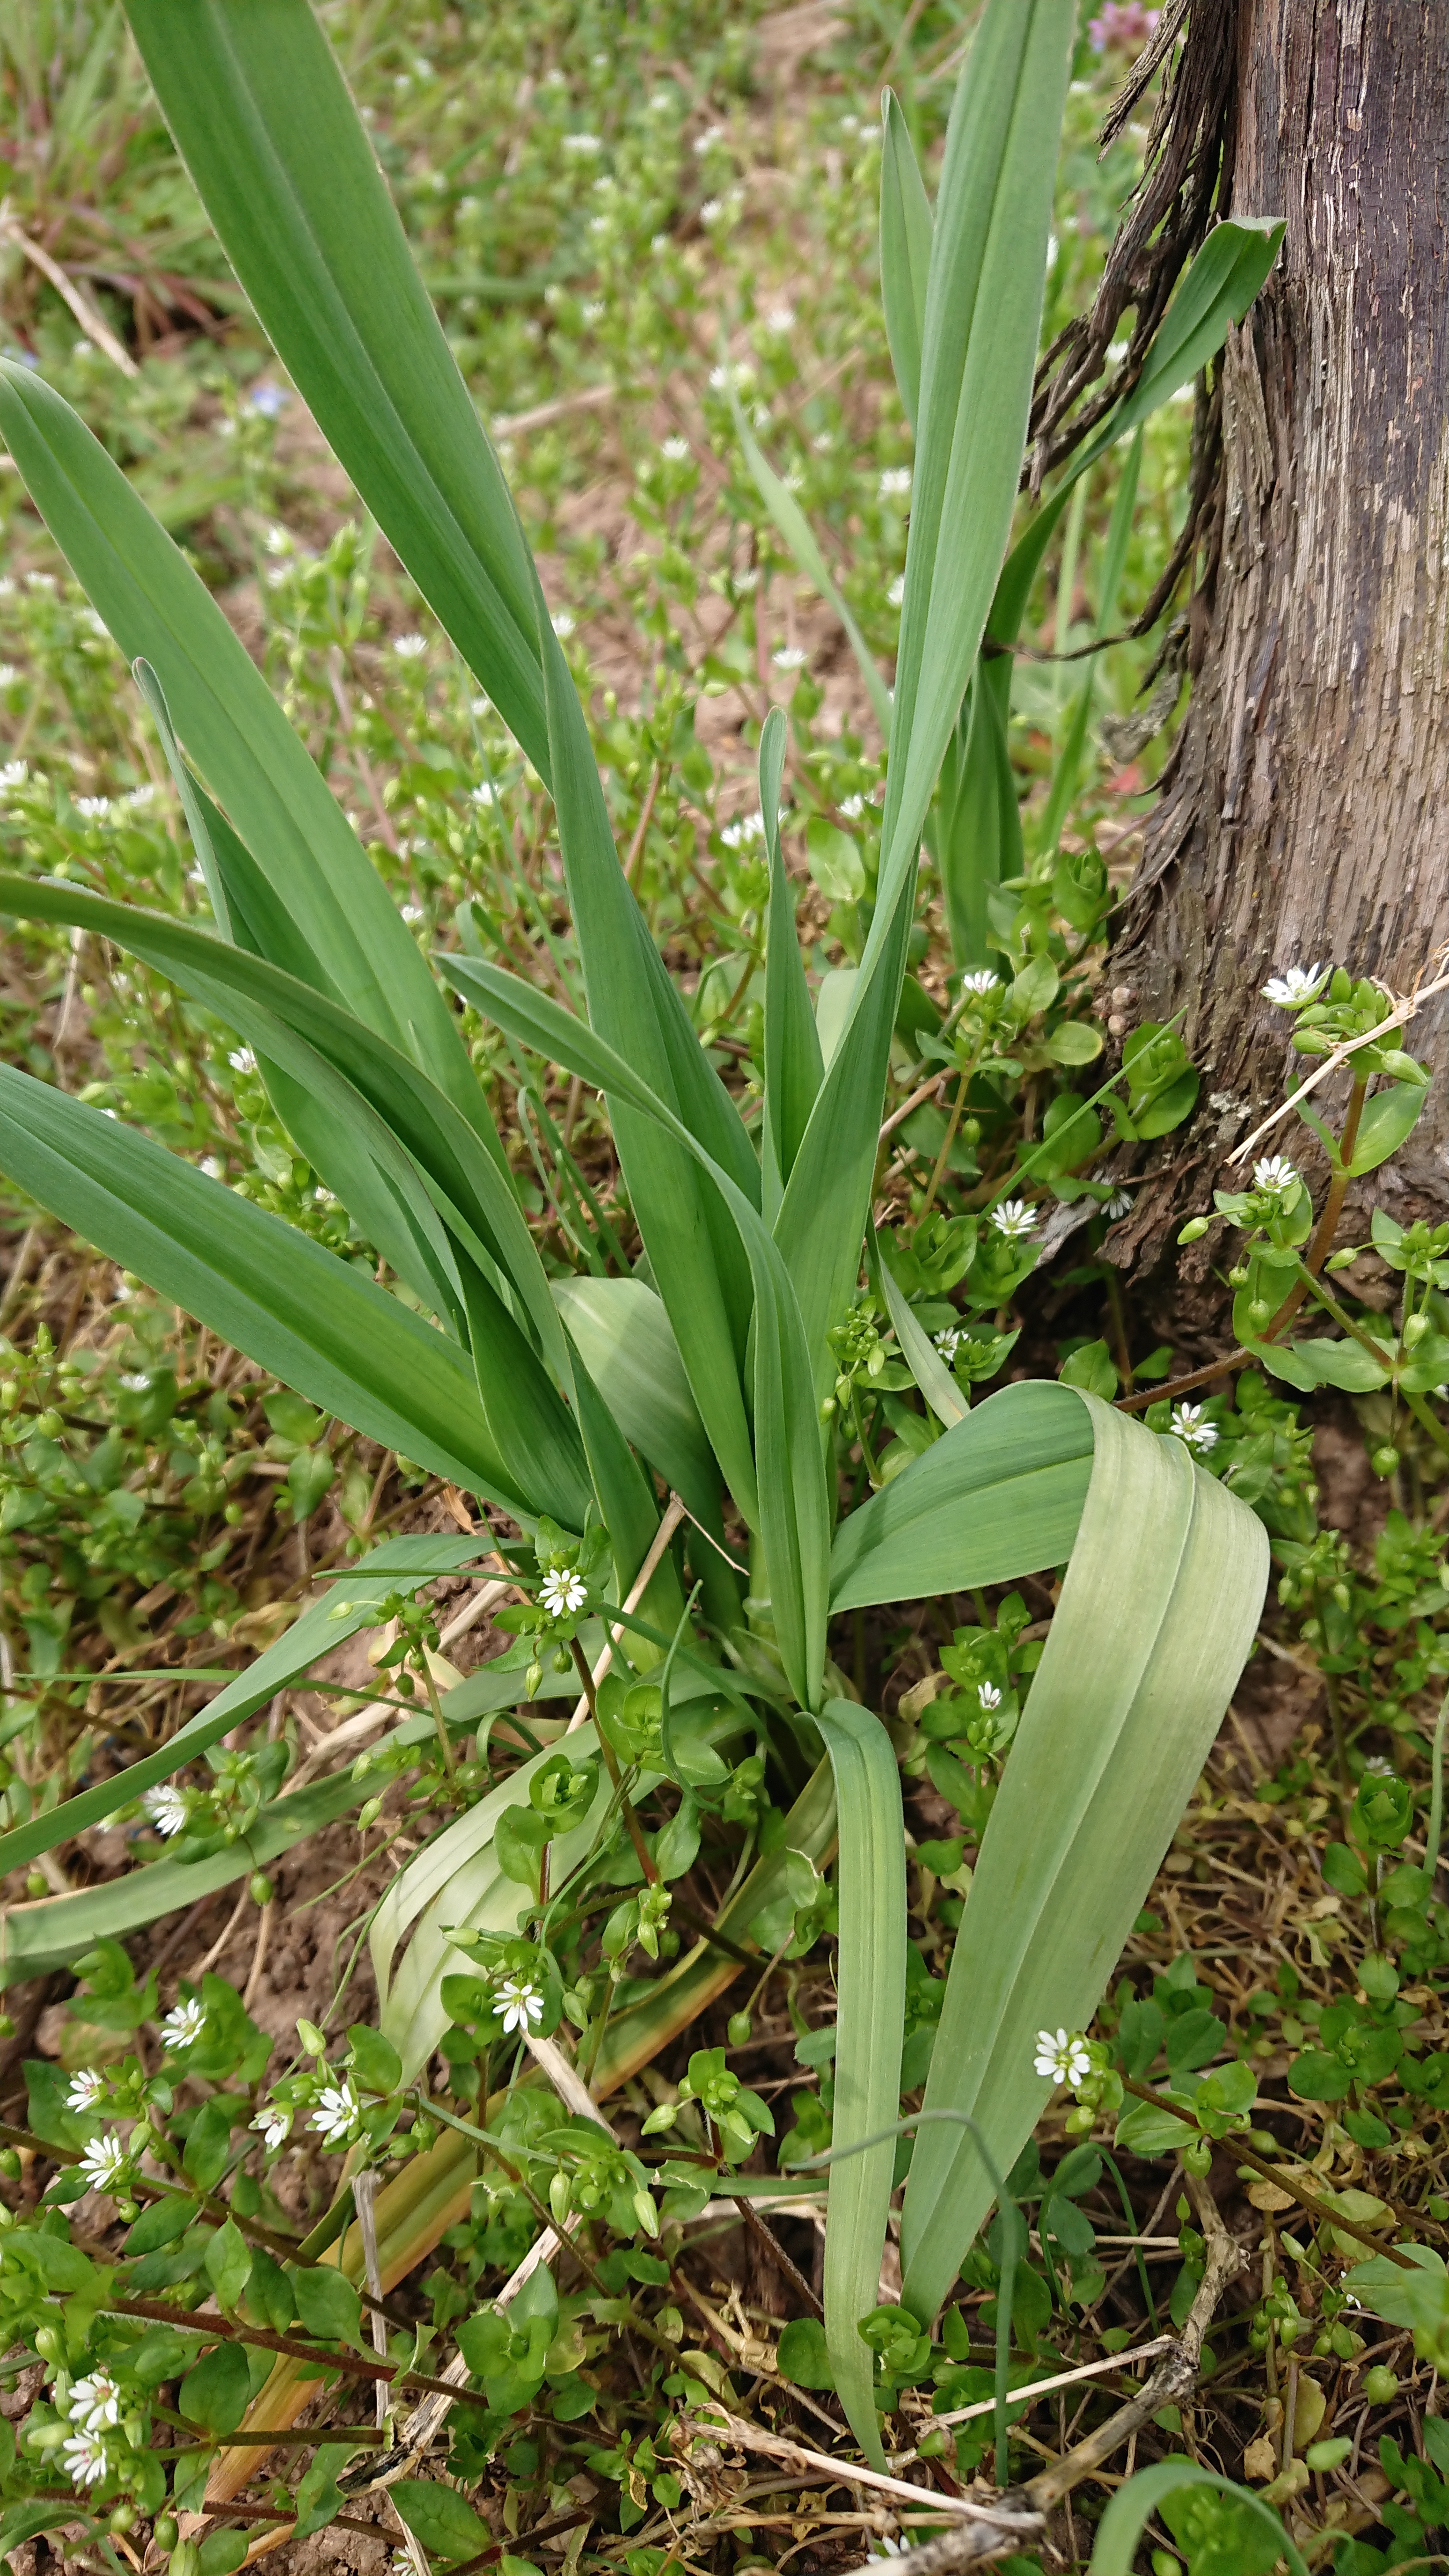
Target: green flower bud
column 738, row 2029
column 1383, row 1461
column 1380, row 2384
column 560, row 2194
column 367, row 1816
column 1415, row 1327
column 1194, row 1230
column 1197, row 2156
column 260, row 1888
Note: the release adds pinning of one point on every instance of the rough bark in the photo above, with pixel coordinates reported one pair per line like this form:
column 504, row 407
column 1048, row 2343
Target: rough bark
column 1305, row 814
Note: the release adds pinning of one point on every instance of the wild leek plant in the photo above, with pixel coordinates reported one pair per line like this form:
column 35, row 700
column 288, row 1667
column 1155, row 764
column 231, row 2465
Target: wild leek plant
column 662, row 1450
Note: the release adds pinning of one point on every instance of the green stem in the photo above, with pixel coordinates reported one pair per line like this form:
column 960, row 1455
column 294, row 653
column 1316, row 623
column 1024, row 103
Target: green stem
column 1436, row 1802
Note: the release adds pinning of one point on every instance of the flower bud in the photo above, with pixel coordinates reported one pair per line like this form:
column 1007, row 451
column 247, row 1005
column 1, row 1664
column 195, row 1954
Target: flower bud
column 1194, row 1230
column 1383, row 1461
column 260, row 1888
column 1380, row 2384
column 738, row 2029
column 560, row 2194
column 164, row 2533
column 1415, row 1327
column 367, row 1816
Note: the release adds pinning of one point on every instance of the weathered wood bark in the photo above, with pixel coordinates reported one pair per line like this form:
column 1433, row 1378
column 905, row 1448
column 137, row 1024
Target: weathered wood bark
column 1305, row 814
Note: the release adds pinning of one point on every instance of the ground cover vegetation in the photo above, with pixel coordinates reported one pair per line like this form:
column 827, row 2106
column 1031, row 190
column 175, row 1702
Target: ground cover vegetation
column 585, row 1434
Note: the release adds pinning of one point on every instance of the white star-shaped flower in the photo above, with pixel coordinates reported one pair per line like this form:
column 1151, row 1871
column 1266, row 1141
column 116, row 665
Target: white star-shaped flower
column 1274, row 1172
column 84, row 2455
column 1190, row 1423
column 337, row 2112
column 895, row 483
column 1295, row 986
column 521, row 2002
column 13, row 775
column 410, row 648
column 980, row 980
column 1014, row 1219
column 94, row 808
column 84, row 2090
column 949, row 1342
column 274, row 2123
column 184, row 2024
column 95, row 2402
column 104, row 2161
column 988, row 1695
column 1119, row 1204
column 1063, row 2055
column 168, row 1808
column 562, row 1592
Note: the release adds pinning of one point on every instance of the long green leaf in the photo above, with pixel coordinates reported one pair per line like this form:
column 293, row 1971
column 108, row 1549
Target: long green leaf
column 1114, row 557
column 905, row 251
column 983, row 308
column 344, row 923
column 399, row 1565
column 55, row 1931
column 694, row 1246
column 477, row 1200
column 280, row 160
column 788, row 1501
column 921, row 1357
column 1156, row 1615
column 799, row 536
column 794, row 1066
column 257, row 1282
column 998, row 1496
column 870, row 1982
column 978, row 818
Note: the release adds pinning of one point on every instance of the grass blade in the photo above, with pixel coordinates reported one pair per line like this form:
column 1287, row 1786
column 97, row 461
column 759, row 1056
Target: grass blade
column 799, row 536
column 921, row 1357
column 1155, row 1619
column 978, row 816
column 870, row 1977
column 794, row 1067
column 905, row 251
column 1119, row 2533
column 281, row 161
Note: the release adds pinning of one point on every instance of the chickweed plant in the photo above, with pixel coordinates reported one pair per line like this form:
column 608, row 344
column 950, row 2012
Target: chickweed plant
column 699, row 1353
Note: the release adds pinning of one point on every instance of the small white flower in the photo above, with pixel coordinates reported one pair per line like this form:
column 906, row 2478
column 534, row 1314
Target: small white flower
column 168, row 1808
column 273, row 2122
column 410, row 648
column 563, row 624
column 105, row 2161
column 1014, row 1219
column 562, row 1592
column 746, row 828
column 95, row 2402
column 895, row 483
column 277, row 540
column 213, row 1166
column 269, row 400
column 184, row 2024
column 675, row 449
column 521, row 2003
column 980, row 980
column 897, row 591
column 706, row 142
column 1379, row 1763
column 1190, row 1423
column 1297, row 985
column 1274, row 1172
column 13, row 775
column 781, row 318
column 711, row 211
column 1063, row 2055
column 8, row 675
column 736, row 374
column 412, row 912
column 852, row 808
column 790, row 657
column 139, row 796
column 85, row 2459
column 584, row 144
column 1119, row 1204
column 337, row 2110
column 242, row 1060
column 94, row 808
column 988, row 1694
column 949, row 1342
column 84, row 2090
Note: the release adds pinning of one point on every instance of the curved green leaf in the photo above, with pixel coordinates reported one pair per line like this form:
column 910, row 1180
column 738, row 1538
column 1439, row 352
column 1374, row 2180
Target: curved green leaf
column 1156, row 1615
column 285, row 170
column 870, row 1979
column 623, row 1336
column 1120, row 2530
column 905, row 250
column 999, row 1495
column 794, row 1066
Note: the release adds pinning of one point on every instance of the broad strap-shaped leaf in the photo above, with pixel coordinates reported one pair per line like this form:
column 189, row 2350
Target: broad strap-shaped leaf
column 978, row 817
column 622, row 1333
column 998, row 1496
column 905, row 251
column 794, row 1066
column 280, row 159
column 345, row 932
column 258, row 1283
column 1156, row 1616
column 399, row 1565
column 921, row 1357
column 870, row 1981
column 787, row 1503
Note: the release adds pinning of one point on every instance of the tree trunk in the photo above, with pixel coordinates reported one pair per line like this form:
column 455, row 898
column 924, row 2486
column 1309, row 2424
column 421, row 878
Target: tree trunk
column 1305, row 812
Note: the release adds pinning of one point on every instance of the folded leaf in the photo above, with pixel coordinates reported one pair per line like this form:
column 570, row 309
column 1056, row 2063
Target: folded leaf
column 1001, row 1494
